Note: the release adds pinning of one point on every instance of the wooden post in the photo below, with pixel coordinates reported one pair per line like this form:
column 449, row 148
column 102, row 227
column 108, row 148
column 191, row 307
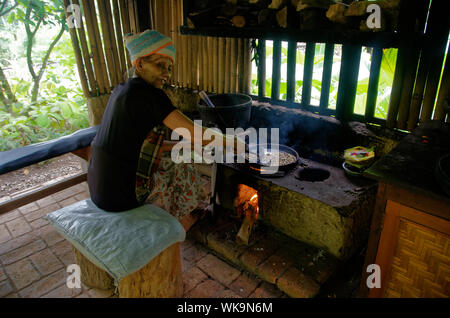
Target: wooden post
column 348, row 81
column 91, row 275
column 227, row 74
column 161, row 278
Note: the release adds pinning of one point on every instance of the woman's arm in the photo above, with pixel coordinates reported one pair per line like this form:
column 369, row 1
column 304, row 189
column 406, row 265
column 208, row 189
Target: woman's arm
column 177, row 119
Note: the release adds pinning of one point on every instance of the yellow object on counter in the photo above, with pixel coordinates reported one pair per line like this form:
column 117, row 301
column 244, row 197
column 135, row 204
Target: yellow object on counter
column 359, row 156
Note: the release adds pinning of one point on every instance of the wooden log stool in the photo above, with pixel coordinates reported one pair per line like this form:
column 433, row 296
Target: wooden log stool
column 136, row 251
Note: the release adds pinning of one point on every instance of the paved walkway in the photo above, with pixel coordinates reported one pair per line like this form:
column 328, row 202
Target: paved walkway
column 34, row 257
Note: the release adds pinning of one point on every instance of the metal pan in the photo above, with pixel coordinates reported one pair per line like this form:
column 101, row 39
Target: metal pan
column 260, row 168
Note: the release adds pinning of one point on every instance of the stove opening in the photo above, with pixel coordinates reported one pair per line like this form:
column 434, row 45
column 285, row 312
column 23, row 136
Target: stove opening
column 247, row 207
column 312, row 174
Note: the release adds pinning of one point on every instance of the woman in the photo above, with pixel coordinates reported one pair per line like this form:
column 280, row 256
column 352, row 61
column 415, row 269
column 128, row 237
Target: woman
column 134, row 114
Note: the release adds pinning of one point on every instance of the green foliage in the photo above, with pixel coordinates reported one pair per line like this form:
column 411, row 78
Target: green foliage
column 384, row 88
column 60, row 108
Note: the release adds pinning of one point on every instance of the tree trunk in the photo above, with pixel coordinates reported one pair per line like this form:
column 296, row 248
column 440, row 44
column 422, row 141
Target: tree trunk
column 6, row 93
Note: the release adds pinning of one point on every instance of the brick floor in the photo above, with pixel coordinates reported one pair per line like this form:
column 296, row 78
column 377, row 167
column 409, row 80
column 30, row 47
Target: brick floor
column 33, row 259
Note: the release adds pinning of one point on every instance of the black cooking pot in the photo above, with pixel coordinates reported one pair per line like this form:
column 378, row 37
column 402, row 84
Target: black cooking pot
column 230, row 111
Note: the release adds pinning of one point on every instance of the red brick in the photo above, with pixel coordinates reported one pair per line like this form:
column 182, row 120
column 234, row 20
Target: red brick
column 83, row 295
column 22, row 252
column 254, row 256
column 63, row 292
column 41, row 212
column 38, row 223
column 5, row 288
column 18, row 227
column 296, row 284
column 64, row 194
column 185, row 245
column 29, row 208
column 273, row 268
column 194, row 254
column 22, row 273
column 2, row 274
column 227, row 293
column 266, row 290
column 244, row 285
column 218, row 269
column 49, row 234
column 207, row 289
column 186, row 265
column 46, row 262
column 67, row 202
column 82, row 196
column 9, row 216
column 68, row 258
column 18, row 242
column 45, row 285
column 193, row 277
column 42, row 203
column 61, row 248
column 225, row 247
column 4, row 234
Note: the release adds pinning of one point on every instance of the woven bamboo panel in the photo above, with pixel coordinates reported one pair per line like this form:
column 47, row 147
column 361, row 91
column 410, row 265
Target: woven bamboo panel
column 421, row 263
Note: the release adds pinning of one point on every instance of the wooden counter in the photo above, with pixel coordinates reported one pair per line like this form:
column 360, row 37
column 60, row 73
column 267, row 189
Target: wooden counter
column 410, row 230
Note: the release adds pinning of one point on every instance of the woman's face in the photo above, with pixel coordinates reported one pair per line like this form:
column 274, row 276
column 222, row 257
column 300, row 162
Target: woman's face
column 154, row 69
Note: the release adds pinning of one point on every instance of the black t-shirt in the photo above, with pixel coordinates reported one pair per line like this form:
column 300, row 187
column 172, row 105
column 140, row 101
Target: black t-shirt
column 133, row 109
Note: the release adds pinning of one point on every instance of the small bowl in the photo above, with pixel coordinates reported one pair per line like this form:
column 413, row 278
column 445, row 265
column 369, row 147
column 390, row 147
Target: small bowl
column 351, row 170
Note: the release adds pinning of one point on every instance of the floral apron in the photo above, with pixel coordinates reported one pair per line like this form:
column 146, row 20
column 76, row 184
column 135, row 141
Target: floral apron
column 176, row 188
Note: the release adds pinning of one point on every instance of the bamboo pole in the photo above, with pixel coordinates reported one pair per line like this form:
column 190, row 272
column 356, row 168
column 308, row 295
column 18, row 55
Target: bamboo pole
column 167, row 18
column 89, row 15
column 247, row 66
column 86, row 55
column 109, row 16
column 391, row 120
column 201, row 58
column 210, row 65
column 233, row 66
column 194, row 63
column 123, row 66
column 407, row 88
column 221, row 62
column 431, row 88
column 227, row 73
column 100, row 47
column 216, row 64
column 444, row 90
column 78, row 57
column 416, row 103
column 125, row 28
column 174, row 36
column 205, row 63
column 185, row 56
column 240, row 66
column 107, row 41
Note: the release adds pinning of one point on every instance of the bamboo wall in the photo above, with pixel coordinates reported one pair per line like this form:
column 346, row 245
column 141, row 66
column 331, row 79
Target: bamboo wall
column 215, row 65
column 102, row 59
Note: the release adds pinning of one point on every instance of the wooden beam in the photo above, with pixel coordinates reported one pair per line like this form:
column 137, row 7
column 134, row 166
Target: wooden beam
column 41, row 193
column 308, row 73
column 374, row 78
column 348, row 81
column 291, row 66
column 326, row 77
column 276, row 70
